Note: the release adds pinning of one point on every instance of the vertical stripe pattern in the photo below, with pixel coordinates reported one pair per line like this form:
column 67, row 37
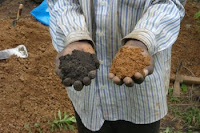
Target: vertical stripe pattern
column 156, row 23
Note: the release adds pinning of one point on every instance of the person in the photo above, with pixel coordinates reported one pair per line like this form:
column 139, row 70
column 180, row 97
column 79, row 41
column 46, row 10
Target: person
column 110, row 104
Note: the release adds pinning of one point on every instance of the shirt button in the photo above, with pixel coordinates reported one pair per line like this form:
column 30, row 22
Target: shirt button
column 103, row 87
column 101, row 62
column 102, row 3
column 100, row 34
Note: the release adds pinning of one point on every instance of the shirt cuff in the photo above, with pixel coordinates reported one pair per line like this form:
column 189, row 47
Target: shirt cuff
column 78, row 36
column 145, row 36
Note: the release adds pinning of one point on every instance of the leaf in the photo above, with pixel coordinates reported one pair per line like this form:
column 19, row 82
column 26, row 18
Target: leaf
column 52, row 127
column 65, row 127
column 72, row 119
column 65, row 116
column 40, row 131
column 55, row 117
column 36, row 125
column 59, row 115
column 27, row 126
column 70, row 127
column 167, row 130
column 197, row 15
column 184, row 87
column 170, row 90
column 174, row 99
column 189, row 131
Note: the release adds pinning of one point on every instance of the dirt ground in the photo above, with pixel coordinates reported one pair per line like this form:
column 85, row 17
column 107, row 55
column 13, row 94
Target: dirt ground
column 30, row 91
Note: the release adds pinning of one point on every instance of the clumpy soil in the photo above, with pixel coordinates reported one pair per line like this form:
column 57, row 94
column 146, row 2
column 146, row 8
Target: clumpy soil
column 187, row 47
column 30, row 91
column 128, row 61
column 77, row 65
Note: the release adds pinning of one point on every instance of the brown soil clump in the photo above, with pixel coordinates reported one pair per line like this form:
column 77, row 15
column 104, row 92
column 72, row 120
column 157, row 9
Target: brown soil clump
column 129, row 61
column 78, row 65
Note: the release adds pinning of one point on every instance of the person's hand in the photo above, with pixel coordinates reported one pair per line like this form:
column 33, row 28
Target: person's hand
column 138, row 77
column 82, row 46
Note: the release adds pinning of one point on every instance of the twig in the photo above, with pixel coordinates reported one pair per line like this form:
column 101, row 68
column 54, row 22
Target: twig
column 189, row 71
column 184, row 105
column 191, row 94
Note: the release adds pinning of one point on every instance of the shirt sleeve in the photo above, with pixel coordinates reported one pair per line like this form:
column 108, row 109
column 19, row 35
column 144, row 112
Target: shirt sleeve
column 67, row 23
column 159, row 27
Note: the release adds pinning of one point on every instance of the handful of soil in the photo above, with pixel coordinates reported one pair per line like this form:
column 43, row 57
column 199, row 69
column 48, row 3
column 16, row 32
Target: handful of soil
column 128, row 61
column 77, row 65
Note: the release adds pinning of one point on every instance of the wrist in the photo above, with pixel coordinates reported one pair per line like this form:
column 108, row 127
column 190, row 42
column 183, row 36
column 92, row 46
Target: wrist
column 135, row 43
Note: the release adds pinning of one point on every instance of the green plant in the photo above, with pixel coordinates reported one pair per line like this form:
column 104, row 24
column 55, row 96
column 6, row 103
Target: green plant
column 37, row 126
column 192, row 116
column 27, row 127
column 184, row 87
column 189, row 131
column 197, row 17
column 174, row 99
column 168, row 130
column 170, row 91
column 63, row 122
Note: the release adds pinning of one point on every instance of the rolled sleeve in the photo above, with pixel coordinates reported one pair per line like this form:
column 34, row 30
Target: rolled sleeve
column 159, row 27
column 67, row 23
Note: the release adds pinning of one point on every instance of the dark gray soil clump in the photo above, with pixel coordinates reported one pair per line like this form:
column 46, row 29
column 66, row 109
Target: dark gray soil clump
column 77, row 65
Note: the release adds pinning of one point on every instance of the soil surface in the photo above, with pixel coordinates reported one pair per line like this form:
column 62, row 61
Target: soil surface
column 128, row 61
column 31, row 92
column 187, row 47
column 77, row 65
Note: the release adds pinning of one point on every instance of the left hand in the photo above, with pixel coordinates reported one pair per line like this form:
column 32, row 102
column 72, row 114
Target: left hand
column 138, row 77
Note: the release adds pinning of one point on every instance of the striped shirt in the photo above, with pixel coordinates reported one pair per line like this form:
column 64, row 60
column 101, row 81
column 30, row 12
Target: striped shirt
column 108, row 22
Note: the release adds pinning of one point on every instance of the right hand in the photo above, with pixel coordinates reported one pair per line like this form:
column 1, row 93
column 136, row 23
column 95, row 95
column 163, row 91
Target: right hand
column 82, row 46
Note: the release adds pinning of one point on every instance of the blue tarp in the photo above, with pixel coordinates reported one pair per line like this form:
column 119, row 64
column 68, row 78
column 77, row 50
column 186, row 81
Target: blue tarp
column 41, row 13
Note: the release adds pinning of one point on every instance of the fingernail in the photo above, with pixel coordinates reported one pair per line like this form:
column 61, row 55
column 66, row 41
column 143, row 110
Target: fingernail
column 145, row 72
column 110, row 75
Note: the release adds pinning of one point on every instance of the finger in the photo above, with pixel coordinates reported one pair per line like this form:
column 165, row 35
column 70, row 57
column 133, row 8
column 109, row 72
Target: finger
column 150, row 68
column 138, row 78
column 86, row 81
column 67, row 82
column 66, row 51
column 117, row 80
column 111, row 75
column 128, row 81
column 59, row 73
column 92, row 74
column 57, row 64
column 78, row 86
column 89, row 49
column 146, row 72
